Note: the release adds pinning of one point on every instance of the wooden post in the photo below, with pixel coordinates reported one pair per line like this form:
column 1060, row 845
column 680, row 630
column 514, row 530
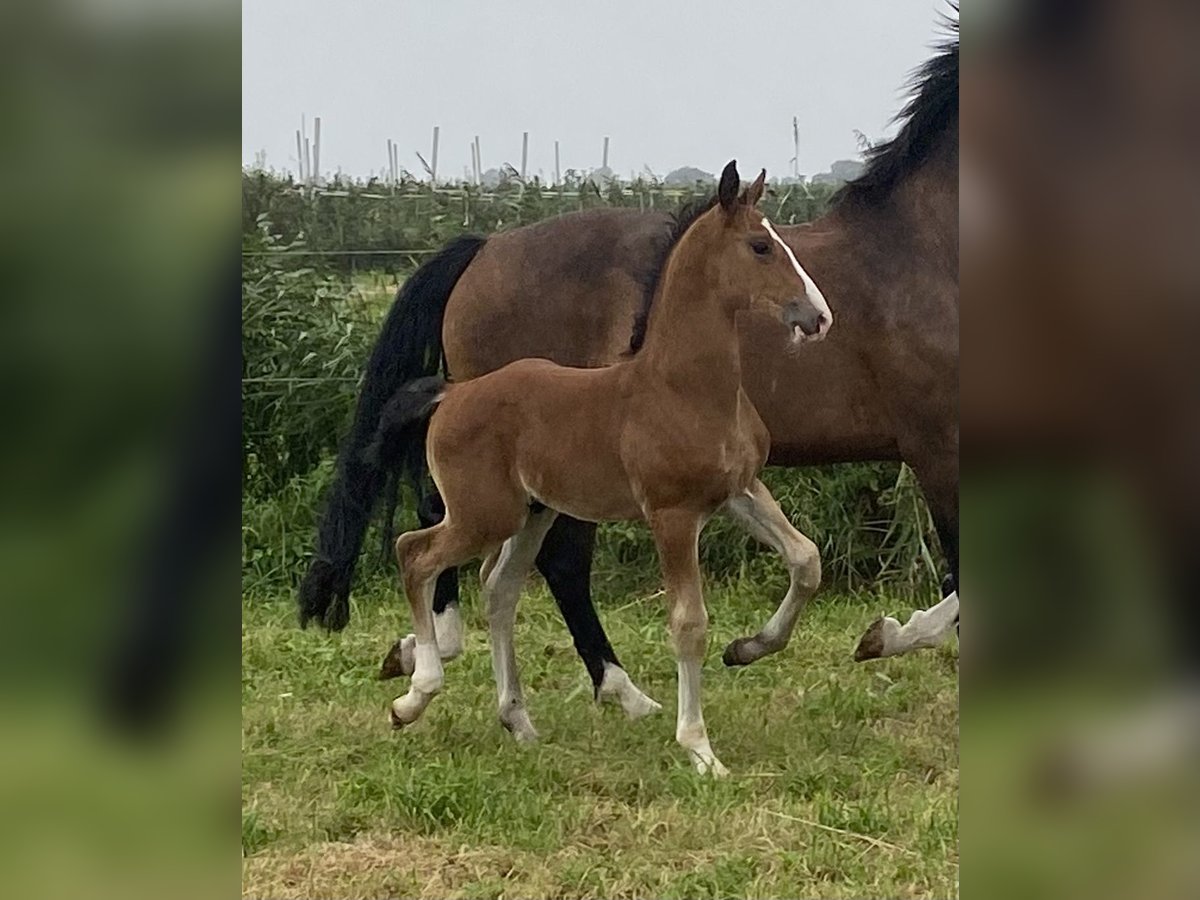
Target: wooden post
column 299, row 157
column 796, row 147
column 524, row 152
column 605, row 163
column 557, row 170
column 433, row 159
column 317, row 150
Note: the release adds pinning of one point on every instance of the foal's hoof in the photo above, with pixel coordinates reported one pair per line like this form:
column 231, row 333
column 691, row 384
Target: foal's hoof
column 709, row 765
column 740, row 653
column 518, row 724
column 400, row 660
column 405, row 710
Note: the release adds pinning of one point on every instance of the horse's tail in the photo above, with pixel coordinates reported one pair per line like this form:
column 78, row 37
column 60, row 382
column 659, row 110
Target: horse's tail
column 409, row 347
column 399, row 442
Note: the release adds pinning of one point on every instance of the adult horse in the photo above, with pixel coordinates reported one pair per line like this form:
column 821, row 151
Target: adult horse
column 883, row 387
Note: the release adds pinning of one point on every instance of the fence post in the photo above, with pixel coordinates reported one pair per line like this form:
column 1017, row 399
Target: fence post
column 433, row 159
column 604, row 164
column 524, row 152
column 317, row 150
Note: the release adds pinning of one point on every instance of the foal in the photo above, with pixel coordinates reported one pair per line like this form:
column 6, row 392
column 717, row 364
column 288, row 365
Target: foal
column 667, row 436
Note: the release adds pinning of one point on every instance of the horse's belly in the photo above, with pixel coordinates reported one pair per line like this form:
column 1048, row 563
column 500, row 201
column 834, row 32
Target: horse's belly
column 588, row 489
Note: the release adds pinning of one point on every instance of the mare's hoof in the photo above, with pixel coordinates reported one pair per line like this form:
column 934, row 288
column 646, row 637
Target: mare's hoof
column 400, row 660
column 870, row 645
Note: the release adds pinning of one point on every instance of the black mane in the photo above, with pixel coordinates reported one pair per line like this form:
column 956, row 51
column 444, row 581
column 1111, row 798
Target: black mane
column 682, row 220
column 932, row 110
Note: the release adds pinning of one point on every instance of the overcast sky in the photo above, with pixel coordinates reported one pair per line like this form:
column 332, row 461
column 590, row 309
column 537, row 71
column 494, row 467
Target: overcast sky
column 671, row 82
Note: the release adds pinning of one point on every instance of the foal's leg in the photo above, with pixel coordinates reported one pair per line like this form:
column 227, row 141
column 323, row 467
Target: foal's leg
column 447, row 619
column 676, row 534
column 502, row 576
column 422, row 556
column 565, row 561
column 762, row 517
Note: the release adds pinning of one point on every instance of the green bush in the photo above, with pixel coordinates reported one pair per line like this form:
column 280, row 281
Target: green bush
column 305, row 338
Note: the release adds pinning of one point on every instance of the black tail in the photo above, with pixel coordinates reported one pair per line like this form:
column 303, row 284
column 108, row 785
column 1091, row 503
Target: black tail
column 409, row 347
column 399, row 442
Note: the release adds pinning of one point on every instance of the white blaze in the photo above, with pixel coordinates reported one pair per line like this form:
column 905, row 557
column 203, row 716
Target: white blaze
column 810, row 287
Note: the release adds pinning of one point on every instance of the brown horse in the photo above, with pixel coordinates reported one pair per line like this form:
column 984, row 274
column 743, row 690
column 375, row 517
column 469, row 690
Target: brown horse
column 884, row 386
column 667, row 436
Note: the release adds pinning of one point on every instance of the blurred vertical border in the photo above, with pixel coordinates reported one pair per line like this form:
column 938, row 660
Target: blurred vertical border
column 1080, row 418
column 119, row 349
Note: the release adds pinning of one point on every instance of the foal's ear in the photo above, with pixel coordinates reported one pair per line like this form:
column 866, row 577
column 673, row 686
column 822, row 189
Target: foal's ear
column 727, row 190
column 754, row 193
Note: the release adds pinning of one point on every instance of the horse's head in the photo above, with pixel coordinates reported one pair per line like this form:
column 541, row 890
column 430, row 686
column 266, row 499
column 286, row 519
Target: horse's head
column 755, row 268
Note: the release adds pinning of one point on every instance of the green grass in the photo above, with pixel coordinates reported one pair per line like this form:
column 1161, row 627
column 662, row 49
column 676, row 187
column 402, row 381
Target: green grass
column 844, row 777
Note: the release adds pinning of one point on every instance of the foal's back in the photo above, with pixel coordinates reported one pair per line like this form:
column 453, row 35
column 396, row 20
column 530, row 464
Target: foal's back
column 552, row 433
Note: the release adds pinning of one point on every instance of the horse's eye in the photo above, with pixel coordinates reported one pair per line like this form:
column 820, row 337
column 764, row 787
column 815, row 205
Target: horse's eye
column 762, row 248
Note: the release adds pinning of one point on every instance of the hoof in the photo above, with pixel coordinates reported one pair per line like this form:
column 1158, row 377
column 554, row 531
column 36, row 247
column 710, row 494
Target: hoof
column 739, row 653
column 407, row 709
column 517, row 724
column 617, row 685
column 400, row 660
column 710, row 766
column 870, row 646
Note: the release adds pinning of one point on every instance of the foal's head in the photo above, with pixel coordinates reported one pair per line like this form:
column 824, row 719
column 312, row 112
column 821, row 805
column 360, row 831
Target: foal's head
column 753, row 267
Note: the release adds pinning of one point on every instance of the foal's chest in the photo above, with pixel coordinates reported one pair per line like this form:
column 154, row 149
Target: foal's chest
column 703, row 459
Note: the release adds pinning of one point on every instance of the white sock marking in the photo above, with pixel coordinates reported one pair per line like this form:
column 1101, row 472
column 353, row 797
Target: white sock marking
column 448, row 626
column 925, row 628
column 616, row 683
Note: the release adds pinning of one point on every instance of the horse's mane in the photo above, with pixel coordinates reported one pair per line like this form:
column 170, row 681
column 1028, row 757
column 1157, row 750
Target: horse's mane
column 681, row 221
column 932, row 110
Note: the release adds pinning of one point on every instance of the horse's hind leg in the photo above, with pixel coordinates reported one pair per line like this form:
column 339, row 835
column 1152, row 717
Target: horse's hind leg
column 447, row 619
column 758, row 511
column 422, row 556
column 565, row 561
column 502, row 576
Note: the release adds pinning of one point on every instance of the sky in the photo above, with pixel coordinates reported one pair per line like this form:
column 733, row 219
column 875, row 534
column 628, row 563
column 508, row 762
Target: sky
column 670, row 82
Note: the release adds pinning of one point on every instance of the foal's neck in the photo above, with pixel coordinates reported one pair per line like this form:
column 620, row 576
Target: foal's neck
column 691, row 336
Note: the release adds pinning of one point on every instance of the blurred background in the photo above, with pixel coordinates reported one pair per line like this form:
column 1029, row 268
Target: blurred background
column 1080, row 223
column 1080, row 220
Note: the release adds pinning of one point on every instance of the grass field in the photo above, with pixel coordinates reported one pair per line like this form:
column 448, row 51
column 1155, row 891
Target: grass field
column 844, row 776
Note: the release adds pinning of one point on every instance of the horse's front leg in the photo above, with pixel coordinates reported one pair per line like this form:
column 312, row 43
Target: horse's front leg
column 760, row 514
column 676, row 536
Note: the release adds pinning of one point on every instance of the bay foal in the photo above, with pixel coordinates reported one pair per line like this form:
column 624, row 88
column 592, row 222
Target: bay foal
column 667, row 436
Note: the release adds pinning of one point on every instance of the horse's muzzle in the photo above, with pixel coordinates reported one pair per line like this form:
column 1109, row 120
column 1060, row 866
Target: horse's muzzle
column 803, row 319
